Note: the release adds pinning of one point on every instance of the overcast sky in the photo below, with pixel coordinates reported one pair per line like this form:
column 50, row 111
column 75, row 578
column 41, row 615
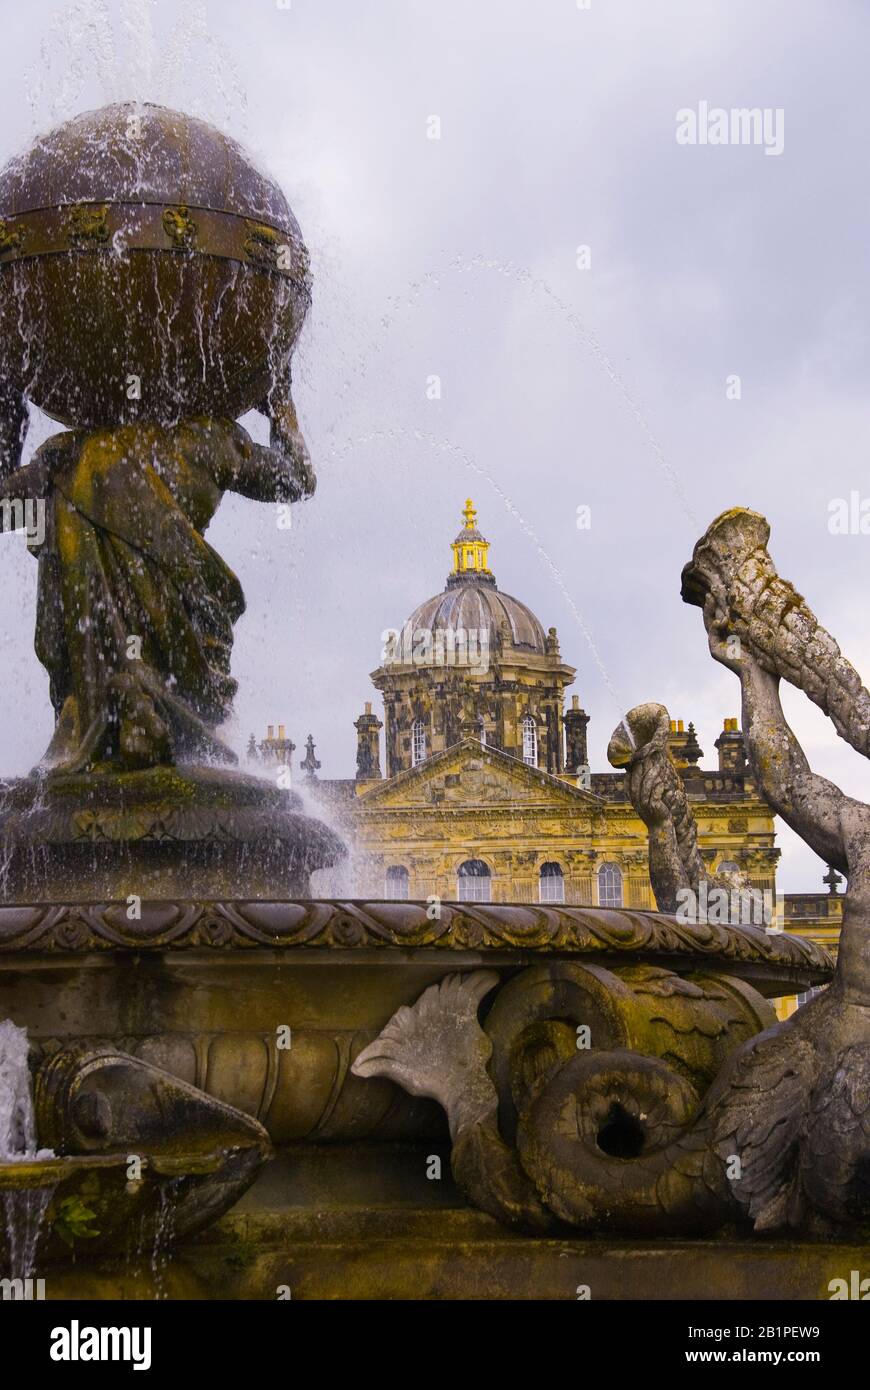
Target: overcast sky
column 560, row 386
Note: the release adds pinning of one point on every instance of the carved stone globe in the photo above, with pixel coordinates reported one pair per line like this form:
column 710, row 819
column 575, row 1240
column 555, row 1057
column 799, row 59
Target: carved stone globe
column 147, row 271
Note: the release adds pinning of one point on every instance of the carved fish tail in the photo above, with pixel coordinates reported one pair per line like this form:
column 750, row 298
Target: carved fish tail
column 612, row 1143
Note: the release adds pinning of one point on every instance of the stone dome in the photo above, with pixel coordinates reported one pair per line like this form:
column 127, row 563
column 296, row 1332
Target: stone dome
column 473, row 602
column 476, row 604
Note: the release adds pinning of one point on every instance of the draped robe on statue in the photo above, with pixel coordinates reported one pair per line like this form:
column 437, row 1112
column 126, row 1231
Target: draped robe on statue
column 136, row 610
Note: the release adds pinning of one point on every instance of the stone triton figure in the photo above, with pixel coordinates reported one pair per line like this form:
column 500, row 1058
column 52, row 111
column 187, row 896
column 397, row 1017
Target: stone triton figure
column 616, row 1138
column 150, row 293
column 656, row 791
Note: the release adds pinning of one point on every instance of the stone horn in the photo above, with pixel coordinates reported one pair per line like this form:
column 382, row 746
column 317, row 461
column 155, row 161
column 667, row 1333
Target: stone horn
column 731, row 566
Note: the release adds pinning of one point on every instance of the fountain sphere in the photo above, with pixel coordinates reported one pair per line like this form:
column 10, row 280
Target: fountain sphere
column 147, row 271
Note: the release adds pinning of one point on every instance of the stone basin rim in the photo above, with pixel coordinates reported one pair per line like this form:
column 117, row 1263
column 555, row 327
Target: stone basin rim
column 47, row 1172
column 176, row 924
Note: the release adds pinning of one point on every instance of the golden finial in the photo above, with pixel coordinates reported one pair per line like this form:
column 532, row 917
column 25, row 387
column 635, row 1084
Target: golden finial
column 470, row 550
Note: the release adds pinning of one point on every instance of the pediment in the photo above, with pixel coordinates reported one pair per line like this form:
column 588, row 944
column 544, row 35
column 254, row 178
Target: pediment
column 468, row 775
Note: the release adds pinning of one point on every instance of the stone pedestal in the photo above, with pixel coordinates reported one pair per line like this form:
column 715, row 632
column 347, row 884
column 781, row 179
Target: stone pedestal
column 328, row 1242
column 165, row 832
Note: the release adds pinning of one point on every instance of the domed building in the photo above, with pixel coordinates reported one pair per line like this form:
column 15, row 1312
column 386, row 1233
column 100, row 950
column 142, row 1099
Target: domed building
column 487, row 793
column 472, row 662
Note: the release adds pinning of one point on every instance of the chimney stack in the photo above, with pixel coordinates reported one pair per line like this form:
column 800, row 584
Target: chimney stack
column 678, row 741
column 732, row 749
column 575, row 720
column 368, row 755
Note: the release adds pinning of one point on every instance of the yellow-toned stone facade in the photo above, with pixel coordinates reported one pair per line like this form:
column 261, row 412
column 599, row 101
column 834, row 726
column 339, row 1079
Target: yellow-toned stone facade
column 819, row 918
column 476, row 785
column 486, row 792
column 476, row 804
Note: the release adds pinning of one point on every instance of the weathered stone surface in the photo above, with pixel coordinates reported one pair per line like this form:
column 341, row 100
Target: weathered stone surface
column 136, row 610
column 733, row 578
column 162, row 832
column 143, row 236
column 775, row 963
column 621, row 1140
column 141, row 1155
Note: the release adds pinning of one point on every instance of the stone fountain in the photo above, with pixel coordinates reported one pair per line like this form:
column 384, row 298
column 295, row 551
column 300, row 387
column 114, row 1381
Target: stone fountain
column 329, row 1099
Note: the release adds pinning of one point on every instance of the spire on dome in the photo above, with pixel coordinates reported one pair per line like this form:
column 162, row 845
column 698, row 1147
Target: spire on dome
column 471, row 549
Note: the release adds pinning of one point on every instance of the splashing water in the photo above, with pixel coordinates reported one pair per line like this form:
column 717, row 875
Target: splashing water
column 96, row 53
column 344, row 879
column 461, row 265
column 17, row 1120
column 25, row 1209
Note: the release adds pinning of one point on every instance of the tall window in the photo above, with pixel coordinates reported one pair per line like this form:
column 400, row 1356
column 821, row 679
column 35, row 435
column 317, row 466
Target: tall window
column 396, row 883
column 418, row 742
column 530, row 742
column 809, row 994
column 473, row 882
column 552, row 883
column 610, row 886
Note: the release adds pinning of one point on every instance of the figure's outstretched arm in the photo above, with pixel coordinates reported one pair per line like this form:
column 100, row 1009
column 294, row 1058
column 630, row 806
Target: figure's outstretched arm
column 32, row 482
column 281, row 472
column 810, row 804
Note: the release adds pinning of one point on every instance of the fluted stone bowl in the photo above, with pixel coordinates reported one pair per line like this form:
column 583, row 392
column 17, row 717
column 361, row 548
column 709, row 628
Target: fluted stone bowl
column 216, row 982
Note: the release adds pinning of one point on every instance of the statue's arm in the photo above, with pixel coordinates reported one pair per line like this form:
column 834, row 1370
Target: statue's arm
column 33, row 481
column 810, row 804
column 281, row 472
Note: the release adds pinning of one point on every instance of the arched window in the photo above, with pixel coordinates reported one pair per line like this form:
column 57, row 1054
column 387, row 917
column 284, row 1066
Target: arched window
column 396, row 883
column 552, row 883
column 473, row 881
column 610, row 886
column 739, row 906
column 530, row 742
column 418, row 742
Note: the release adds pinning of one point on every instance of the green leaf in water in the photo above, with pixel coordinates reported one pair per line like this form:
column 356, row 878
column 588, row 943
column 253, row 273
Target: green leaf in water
column 72, row 1221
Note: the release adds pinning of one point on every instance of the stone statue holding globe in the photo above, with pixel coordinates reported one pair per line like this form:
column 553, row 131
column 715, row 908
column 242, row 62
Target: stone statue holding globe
column 135, row 608
column 152, row 288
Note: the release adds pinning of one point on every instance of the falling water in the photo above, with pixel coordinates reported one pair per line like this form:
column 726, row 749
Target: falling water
column 88, row 58
column 17, row 1121
column 157, row 1233
column 462, row 265
column 343, row 879
column 24, row 1209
